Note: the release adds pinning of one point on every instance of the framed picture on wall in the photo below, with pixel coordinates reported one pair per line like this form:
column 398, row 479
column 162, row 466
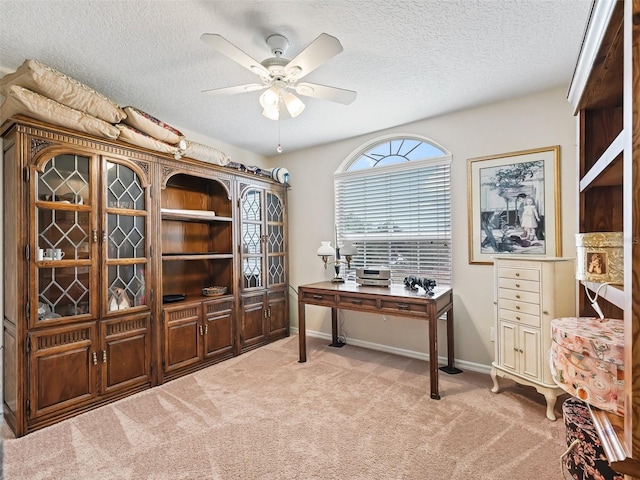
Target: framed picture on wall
column 514, row 204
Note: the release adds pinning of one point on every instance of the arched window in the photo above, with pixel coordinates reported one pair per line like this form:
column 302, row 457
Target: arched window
column 393, row 202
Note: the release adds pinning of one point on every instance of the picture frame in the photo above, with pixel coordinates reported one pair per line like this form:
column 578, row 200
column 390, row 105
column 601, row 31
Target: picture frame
column 514, row 205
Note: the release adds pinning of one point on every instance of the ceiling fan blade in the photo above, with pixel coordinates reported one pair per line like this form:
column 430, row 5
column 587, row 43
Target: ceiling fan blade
column 317, row 52
column 249, row 87
column 227, row 48
column 323, row 92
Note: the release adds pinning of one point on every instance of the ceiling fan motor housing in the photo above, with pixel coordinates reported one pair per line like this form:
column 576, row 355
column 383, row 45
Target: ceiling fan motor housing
column 278, row 44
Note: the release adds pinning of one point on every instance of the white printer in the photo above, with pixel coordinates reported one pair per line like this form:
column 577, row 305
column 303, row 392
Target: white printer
column 373, row 276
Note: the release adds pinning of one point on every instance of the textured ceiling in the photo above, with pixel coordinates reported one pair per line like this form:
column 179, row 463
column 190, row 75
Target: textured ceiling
column 408, row 60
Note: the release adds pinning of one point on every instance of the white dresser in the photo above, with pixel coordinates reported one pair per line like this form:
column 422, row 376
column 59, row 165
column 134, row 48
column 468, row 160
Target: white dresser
column 528, row 294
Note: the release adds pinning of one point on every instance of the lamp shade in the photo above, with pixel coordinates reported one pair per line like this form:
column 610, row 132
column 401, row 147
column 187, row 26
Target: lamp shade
column 348, row 248
column 272, row 113
column 326, row 250
column 270, row 98
column 294, row 104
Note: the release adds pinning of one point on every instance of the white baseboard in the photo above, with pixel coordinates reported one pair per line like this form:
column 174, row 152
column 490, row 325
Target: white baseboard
column 462, row 364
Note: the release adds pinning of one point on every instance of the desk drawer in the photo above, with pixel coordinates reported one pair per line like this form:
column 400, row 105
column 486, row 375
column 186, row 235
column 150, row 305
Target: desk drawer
column 328, row 299
column 398, row 307
column 357, row 301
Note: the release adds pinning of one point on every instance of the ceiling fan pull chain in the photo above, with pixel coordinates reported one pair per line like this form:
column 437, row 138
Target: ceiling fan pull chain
column 279, row 149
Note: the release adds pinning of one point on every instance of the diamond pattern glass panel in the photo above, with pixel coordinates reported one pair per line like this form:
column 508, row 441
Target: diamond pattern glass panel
column 65, row 179
column 275, row 210
column 126, row 236
column 126, row 287
column 251, row 272
column 251, row 238
column 64, row 229
column 123, row 188
column 251, row 206
column 276, row 270
column 63, row 292
column 275, row 240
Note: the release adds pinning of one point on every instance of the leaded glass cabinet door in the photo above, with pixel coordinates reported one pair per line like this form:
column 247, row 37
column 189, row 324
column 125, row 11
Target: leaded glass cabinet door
column 64, row 239
column 252, row 238
column 276, row 240
column 125, row 239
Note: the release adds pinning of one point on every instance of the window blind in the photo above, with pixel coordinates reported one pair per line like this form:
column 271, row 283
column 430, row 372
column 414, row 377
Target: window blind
column 398, row 216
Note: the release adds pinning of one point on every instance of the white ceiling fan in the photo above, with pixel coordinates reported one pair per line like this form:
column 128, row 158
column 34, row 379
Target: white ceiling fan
column 280, row 76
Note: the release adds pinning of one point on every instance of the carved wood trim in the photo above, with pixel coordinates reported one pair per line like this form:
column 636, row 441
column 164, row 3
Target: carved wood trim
column 38, row 144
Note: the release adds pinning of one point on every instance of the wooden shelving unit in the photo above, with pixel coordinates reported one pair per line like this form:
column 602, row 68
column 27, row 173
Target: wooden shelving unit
column 605, row 94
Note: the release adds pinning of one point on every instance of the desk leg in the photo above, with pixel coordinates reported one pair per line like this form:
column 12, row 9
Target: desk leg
column 334, row 329
column 450, row 368
column 433, row 351
column 302, row 333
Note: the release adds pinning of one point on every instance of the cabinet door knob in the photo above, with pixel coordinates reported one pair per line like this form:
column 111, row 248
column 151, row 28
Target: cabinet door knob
column 201, row 331
column 95, row 358
column 545, row 312
column 521, row 351
column 104, row 356
column 95, row 235
column 206, row 329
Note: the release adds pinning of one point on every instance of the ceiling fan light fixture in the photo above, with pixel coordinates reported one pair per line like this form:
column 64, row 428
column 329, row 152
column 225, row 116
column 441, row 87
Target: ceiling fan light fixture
column 272, row 112
column 294, row 105
column 270, row 98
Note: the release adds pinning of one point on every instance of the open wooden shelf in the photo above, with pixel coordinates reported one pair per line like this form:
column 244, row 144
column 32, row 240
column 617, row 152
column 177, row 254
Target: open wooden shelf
column 192, row 215
column 607, row 171
column 196, row 256
column 611, row 293
column 610, row 428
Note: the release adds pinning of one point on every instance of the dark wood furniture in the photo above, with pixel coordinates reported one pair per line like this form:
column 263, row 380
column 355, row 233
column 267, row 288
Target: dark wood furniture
column 131, row 226
column 605, row 94
column 395, row 300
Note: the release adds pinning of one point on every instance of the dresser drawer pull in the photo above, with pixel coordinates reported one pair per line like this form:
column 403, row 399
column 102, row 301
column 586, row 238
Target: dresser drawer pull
column 403, row 306
column 517, row 296
column 517, row 318
column 517, row 307
column 517, row 285
column 318, row 297
column 517, row 274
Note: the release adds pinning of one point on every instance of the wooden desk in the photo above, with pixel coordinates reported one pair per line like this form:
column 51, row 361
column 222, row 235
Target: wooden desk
column 395, row 300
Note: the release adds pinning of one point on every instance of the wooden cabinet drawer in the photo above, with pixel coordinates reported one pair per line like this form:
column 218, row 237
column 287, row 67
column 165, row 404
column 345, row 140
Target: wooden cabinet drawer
column 403, row 308
column 518, row 306
column 355, row 301
column 519, row 274
column 519, row 296
column 328, row 299
column 516, row 284
column 521, row 318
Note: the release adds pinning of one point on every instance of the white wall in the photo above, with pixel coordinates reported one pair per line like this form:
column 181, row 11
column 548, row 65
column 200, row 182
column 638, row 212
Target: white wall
column 531, row 122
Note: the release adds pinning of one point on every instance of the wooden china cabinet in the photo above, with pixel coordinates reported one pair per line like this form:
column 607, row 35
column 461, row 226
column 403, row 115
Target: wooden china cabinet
column 107, row 248
column 605, row 93
column 263, row 261
column 197, row 239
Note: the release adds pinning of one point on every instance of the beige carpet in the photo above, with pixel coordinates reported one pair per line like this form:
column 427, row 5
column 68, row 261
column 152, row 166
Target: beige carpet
column 347, row 413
